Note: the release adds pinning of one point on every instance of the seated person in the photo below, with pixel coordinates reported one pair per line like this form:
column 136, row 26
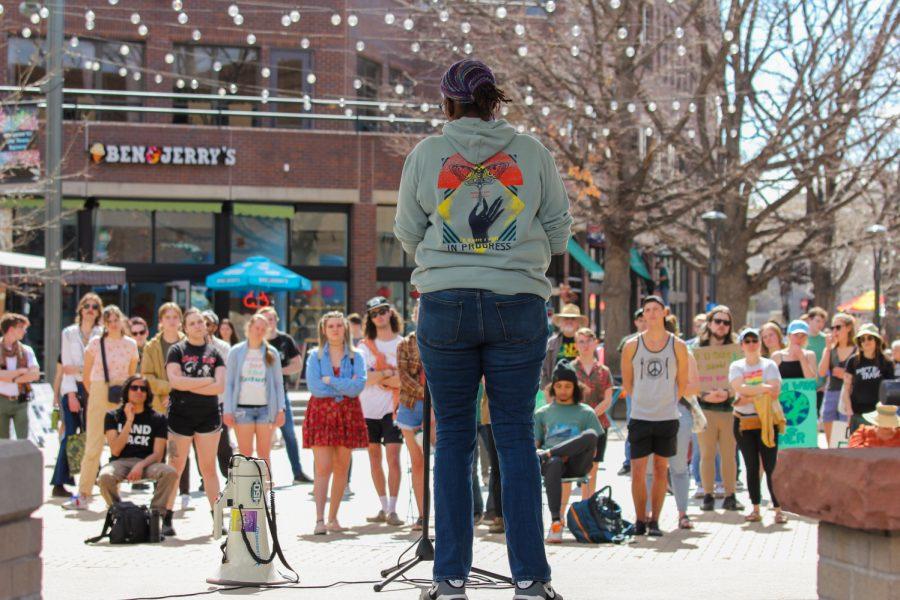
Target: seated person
column 137, row 441
column 884, row 431
column 566, row 434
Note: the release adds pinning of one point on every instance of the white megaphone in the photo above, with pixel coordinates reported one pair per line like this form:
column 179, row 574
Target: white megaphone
column 246, row 556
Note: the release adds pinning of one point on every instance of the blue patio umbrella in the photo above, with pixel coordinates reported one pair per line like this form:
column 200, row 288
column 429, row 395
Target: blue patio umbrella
column 257, row 273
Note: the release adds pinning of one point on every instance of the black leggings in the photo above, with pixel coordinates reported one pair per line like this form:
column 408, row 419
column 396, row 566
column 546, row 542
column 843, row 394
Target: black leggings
column 753, row 449
column 572, row 458
column 494, row 493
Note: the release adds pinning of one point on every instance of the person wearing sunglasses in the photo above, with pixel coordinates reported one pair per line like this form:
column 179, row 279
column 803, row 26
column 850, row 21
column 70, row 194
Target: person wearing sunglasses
column 717, row 406
column 866, row 369
column 380, row 401
column 139, row 332
column 758, row 418
column 137, row 436
column 75, row 339
column 840, row 349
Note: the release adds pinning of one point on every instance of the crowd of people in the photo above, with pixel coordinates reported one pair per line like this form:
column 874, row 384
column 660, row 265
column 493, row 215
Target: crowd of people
column 151, row 399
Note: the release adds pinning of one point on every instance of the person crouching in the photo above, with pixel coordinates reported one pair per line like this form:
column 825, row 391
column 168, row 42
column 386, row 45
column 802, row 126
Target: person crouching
column 137, row 436
column 566, row 434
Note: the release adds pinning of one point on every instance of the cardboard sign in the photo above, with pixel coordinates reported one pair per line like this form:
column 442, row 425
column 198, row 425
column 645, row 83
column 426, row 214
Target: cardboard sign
column 798, row 400
column 713, row 363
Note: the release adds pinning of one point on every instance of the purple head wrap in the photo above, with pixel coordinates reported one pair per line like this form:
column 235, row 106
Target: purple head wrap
column 463, row 78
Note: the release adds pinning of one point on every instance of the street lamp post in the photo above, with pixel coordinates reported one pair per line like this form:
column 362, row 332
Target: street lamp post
column 53, row 194
column 713, row 220
column 877, row 233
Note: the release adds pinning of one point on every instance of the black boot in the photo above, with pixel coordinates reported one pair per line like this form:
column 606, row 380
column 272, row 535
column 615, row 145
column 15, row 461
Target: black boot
column 709, row 503
column 167, row 530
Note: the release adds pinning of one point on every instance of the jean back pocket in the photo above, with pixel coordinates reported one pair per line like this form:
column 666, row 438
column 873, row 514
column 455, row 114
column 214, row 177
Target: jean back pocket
column 439, row 320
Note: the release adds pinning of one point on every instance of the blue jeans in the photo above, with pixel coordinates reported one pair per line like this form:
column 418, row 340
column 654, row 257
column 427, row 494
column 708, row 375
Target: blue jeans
column 679, row 469
column 72, row 422
column 462, row 335
column 290, row 438
column 627, row 462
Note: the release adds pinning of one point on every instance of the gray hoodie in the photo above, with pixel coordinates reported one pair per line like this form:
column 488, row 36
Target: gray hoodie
column 482, row 207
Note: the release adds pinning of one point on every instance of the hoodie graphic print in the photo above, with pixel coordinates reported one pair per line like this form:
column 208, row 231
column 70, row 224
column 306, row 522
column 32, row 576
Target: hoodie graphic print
column 480, row 203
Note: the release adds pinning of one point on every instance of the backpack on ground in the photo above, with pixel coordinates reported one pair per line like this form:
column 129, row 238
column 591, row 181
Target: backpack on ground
column 598, row 520
column 126, row 523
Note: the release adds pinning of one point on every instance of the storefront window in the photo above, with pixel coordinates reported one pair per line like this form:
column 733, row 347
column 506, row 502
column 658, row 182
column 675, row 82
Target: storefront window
column 122, row 236
column 29, row 225
column 92, row 64
column 216, row 68
column 259, row 236
column 390, row 252
column 185, row 238
column 307, row 307
column 319, row 238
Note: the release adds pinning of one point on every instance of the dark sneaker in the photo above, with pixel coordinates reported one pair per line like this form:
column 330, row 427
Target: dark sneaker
column 302, row 478
column 709, row 503
column 167, row 530
column 640, row 528
column 731, row 503
column 60, row 491
column 454, row 589
column 653, row 529
column 625, row 470
column 535, row 590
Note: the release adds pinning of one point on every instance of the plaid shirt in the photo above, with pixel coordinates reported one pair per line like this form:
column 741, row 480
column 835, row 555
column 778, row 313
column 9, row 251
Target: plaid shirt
column 598, row 380
column 412, row 374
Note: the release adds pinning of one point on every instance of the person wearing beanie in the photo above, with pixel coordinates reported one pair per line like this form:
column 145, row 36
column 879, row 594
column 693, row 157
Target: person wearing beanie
column 566, row 433
column 482, row 208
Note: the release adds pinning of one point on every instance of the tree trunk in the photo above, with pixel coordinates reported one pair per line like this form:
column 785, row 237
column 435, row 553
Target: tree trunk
column 617, row 295
column 733, row 288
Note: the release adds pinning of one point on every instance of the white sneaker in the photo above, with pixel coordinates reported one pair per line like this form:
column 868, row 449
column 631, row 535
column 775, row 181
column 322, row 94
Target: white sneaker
column 554, row 536
column 185, row 501
column 698, row 495
column 76, row 503
column 720, row 491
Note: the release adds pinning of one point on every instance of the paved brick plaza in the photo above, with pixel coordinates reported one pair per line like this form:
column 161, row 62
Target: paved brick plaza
column 721, row 558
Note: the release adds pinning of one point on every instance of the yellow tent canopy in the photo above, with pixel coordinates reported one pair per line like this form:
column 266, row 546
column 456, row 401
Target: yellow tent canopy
column 862, row 303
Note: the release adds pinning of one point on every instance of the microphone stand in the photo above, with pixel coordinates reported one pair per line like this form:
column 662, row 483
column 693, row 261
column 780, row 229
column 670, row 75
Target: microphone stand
column 425, row 547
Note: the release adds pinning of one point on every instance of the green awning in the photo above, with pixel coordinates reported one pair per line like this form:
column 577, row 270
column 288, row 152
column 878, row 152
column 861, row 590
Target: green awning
column 638, row 266
column 150, row 205
column 38, row 203
column 585, row 260
column 271, row 211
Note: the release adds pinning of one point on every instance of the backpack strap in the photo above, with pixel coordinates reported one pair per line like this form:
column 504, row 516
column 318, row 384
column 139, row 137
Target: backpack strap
column 107, row 525
column 103, row 358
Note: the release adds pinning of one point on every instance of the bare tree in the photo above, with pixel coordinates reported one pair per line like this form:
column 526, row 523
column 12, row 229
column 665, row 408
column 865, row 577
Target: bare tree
column 658, row 112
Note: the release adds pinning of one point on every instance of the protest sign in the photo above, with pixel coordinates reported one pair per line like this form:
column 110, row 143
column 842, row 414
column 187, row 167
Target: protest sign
column 798, row 399
column 713, row 363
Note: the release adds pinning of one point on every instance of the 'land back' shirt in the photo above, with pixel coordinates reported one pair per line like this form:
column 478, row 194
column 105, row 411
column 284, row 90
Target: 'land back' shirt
column 147, row 426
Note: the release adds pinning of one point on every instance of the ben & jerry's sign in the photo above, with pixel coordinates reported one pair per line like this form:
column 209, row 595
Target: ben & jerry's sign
column 131, row 154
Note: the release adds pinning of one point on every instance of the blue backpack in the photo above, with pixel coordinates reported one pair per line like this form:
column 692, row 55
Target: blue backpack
column 598, row 520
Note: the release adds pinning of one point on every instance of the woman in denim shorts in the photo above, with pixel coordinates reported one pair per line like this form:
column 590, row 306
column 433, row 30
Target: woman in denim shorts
column 410, row 410
column 254, row 390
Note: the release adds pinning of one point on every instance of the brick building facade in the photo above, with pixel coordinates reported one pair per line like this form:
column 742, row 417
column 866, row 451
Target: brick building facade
column 316, row 194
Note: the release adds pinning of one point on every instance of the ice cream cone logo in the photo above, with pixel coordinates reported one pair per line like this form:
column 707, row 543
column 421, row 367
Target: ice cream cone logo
column 98, row 151
column 153, row 155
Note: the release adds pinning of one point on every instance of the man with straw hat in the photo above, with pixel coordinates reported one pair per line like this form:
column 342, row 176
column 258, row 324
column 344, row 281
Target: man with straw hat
column 562, row 345
column 884, row 431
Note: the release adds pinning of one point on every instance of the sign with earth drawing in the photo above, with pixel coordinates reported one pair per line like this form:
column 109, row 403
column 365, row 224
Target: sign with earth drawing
column 798, row 399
